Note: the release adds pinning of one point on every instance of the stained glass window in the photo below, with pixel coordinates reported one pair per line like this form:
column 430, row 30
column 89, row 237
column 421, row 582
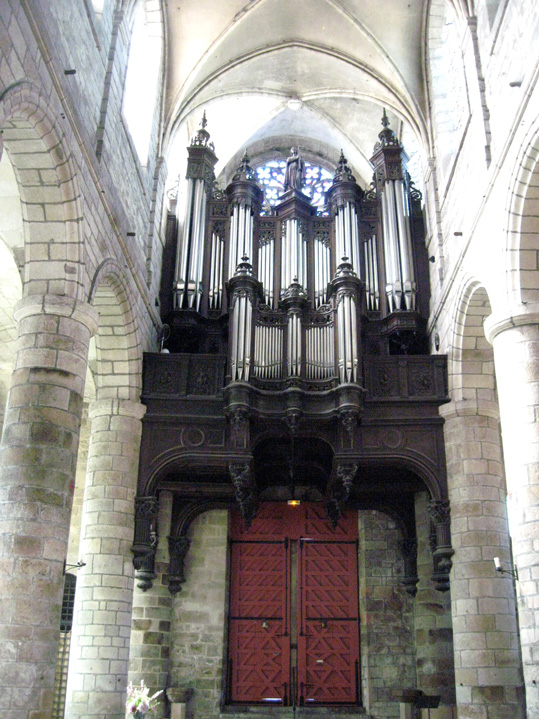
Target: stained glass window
column 317, row 181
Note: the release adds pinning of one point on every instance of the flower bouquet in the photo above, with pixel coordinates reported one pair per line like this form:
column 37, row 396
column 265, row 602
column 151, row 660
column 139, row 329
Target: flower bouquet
column 138, row 702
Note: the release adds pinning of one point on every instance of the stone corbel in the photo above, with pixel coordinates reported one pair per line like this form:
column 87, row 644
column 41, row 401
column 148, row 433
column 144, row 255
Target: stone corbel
column 177, row 549
column 244, row 489
column 339, row 491
column 440, row 515
column 145, row 542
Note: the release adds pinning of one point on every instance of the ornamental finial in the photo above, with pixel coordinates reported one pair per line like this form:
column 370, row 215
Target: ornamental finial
column 343, row 173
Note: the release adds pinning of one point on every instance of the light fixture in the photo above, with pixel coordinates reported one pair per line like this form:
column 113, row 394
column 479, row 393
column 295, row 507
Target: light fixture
column 78, row 565
column 294, row 502
column 294, row 104
column 500, row 569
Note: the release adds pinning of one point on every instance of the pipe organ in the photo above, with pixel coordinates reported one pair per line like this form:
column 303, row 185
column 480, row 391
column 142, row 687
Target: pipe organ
column 296, row 354
column 300, row 289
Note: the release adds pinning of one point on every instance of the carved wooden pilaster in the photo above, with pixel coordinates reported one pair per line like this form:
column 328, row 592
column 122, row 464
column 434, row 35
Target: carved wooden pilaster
column 177, row 548
column 440, row 514
column 145, row 542
column 244, row 489
column 409, row 553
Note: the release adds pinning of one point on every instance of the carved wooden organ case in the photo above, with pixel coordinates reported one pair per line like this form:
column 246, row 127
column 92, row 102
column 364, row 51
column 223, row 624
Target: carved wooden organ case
column 295, row 360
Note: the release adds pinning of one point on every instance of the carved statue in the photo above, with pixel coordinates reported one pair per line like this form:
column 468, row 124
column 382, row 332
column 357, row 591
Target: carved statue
column 293, row 179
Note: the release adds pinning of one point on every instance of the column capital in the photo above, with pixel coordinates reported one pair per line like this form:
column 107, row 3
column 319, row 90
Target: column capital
column 469, row 408
column 519, row 316
column 112, row 406
column 60, row 306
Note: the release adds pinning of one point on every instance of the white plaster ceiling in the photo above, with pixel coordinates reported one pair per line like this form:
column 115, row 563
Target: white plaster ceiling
column 243, row 60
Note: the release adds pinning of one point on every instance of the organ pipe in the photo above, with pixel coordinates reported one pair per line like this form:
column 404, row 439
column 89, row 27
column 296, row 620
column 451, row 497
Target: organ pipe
column 293, row 254
column 241, row 236
column 191, row 247
column 216, row 272
column 189, row 268
column 389, row 160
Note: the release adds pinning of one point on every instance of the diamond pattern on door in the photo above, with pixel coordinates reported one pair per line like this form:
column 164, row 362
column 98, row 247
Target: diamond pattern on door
column 259, row 670
column 294, row 629
column 262, row 590
column 330, row 663
column 329, row 579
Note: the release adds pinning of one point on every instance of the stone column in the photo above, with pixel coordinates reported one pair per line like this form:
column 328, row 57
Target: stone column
column 99, row 653
column 488, row 674
column 516, row 358
column 38, row 457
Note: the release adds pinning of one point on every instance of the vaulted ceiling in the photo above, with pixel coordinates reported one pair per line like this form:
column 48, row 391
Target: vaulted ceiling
column 321, row 71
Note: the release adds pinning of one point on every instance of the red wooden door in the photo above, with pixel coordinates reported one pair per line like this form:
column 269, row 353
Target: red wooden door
column 294, row 631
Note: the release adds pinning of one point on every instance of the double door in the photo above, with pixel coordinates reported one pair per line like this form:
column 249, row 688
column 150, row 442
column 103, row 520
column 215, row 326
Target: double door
column 293, row 621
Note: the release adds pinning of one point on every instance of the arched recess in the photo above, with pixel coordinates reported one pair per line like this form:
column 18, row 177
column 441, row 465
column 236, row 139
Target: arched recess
column 49, row 194
column 471, row 377
column 118, row 350
column 11, row 251
column 522, row 253
column 114, row 372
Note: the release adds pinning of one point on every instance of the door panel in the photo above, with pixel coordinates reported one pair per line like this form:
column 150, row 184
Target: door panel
column 294, row 608
column 259, row 661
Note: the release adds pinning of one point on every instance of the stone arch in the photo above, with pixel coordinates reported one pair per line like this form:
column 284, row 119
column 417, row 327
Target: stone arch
column 471, row 364
column 11, row 254
column 521, row 267
column 118, row 349
column 48, row 187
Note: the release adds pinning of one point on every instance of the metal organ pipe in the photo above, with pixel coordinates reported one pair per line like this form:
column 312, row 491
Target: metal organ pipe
column 405, row 246
column 216, row 272
column 293, row 254
column 371, row 272
column 320, row 359
column 347, row 338
column 191, row 248
column 241, row 236
column 265, row 269
column 268, row 357
column 400, row 287
column 241, row 337
column 294, row 344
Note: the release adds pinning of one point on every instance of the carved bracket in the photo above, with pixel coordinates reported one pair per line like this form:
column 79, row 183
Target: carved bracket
column 145, row 541
column 440, row 514
column 339, row 491
column 244, row 489
column 238, row 419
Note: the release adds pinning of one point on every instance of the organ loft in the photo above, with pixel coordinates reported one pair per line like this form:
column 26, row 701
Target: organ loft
column 295, row 388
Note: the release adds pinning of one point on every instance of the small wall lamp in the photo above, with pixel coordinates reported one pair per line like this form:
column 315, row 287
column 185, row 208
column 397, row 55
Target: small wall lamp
column 78, row 565
column 500, row 569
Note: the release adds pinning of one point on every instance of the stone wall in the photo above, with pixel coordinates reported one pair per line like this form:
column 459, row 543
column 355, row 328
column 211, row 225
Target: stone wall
column 198, row 633
column 386, row 615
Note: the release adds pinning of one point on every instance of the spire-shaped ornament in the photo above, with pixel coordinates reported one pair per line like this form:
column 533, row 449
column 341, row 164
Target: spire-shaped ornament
column 202, row 137
column 387, row 137
column 244, row 171
column 343, row 173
